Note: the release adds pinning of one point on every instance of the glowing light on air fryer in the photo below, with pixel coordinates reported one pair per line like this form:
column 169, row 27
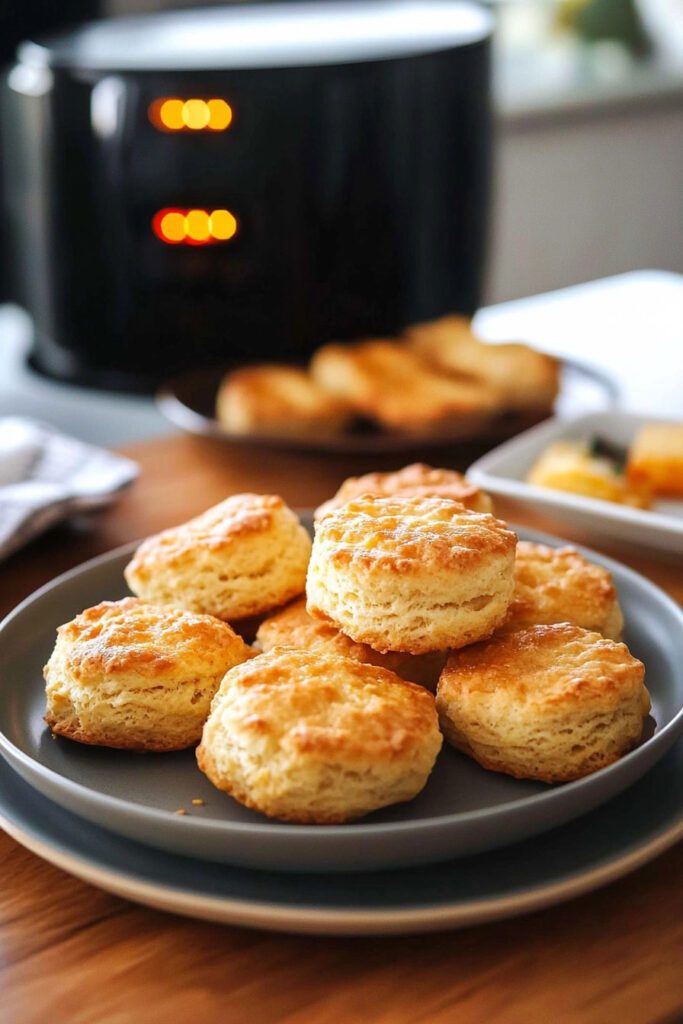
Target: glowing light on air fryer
column 171, row 114
column 194, row 227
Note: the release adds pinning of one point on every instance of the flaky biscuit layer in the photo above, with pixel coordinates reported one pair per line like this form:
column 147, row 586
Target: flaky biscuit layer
column 294, row 627
column 308, row 736
column 242, row 557
column 520, row 376
column 278, row 399
column 135, row 676
column 411, row 574
column 384, row 380
column 417, row 480
column 552, row 702
column 560, row 585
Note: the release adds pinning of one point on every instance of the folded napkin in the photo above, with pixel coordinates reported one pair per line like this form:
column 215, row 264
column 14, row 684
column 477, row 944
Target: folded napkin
column 46, row 476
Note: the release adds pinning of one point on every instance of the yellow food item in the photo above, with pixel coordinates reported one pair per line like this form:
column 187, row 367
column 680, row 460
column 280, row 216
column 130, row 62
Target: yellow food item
column 656, row 458
column 569, row 466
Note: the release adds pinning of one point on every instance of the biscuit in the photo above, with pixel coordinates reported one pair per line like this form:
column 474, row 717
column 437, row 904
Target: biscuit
column 552, row 703
column 385, row 381
column 138, row 677
column 416, row 479
column 521, row 377
column 655, row 458
column 240, row 558
column 312, row 737
column 294, row 627
column 560, row 585
column 411, row 574
column 278, row 400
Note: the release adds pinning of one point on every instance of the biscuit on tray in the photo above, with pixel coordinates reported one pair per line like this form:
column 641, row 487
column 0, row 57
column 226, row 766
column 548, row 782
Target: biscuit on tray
column 387, row 382
column 138, row 677
column 294, row 627
column 417, row 479
column 552, row 703
column 278, row 400
column 560, row 585
column 311, row 737
column 411, row 574
column 523, row 378
column 243, row 557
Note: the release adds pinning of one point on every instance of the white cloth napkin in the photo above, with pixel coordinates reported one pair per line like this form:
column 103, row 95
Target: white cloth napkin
column 46, row 476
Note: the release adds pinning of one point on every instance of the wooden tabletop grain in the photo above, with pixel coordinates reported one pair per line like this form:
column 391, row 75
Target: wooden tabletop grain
column 70, row 953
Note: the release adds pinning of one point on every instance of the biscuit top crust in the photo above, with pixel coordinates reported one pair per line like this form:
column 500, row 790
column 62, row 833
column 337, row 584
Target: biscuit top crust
column 219, row 528
column 547, row 578
column 417, row 479
column 387, row 371
column 453, row 340
column 557, row 667
column 411, row 535
column 451, row 328
column 131, row 636
column 294, row 627
column 281, row 388
column 321, row 705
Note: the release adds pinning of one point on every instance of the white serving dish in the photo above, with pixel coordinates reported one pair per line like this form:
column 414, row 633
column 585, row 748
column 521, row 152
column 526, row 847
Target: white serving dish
column 503, row 471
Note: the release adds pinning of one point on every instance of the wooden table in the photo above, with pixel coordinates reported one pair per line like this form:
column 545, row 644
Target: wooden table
column 70, row 953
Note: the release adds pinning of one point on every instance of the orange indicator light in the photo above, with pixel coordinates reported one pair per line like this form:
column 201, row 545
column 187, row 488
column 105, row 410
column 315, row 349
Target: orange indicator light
column 171, row 114
column 194, row 227
column 172, row 226
column 220, row 115
column 197, row 226
column 196, row 114
column 222, row 225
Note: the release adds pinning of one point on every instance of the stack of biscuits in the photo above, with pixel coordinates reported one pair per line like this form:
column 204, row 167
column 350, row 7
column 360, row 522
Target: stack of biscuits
column 438, row 378
column 411, row 585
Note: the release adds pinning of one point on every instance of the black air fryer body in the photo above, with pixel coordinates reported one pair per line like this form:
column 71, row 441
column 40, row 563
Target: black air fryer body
column 356, row 165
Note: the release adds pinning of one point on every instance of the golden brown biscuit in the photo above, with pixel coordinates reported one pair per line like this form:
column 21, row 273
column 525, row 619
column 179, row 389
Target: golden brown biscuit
column 138, row 677
column 416, row 479
column 521, row 377
column 552, row 703
column 294, row 627
column 411, row 574
column 387, row 382
column 278, row 400
column 307, row 736
column 240, row 558
column 560, row 585
column 655, row 459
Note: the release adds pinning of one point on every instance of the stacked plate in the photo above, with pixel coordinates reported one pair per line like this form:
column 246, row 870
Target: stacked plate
column 497, row 846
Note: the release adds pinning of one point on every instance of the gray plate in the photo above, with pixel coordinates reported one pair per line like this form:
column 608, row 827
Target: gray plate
column 565, row 862
column 462, row 810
